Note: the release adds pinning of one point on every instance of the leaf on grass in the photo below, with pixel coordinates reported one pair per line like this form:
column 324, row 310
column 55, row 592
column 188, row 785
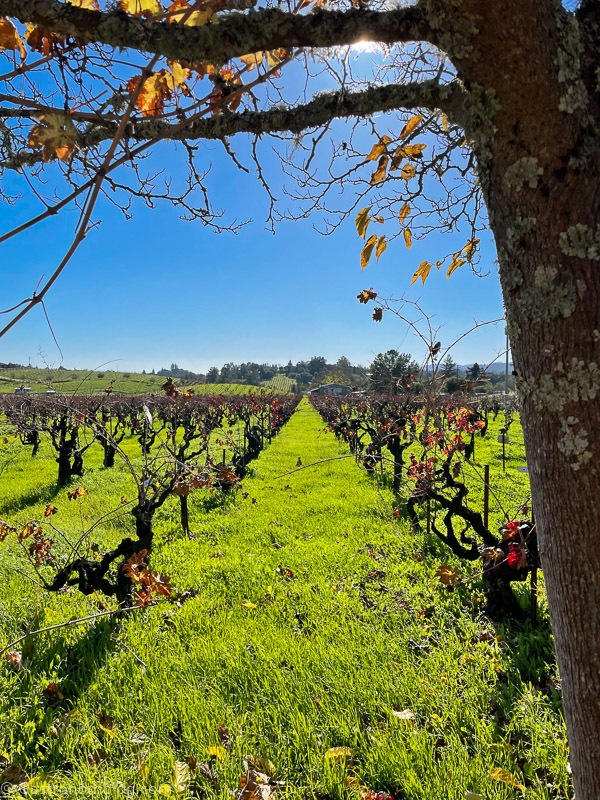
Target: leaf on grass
column 181, row 776
column 14, row 659
column 218, row 751
column 50, row 510
column 260, row 764
column 339, row 755
column 9, row 37
column 55, row 135
column 381, row 172
column 422, row 272
column 406, row 714
column 379, row 149
column 404, row 212
column 447, row 575
column 81, row 491
column 13, row 774
column 408, row 238
column 366, row 252
column 504, row 776
column 380, row 247
column 248, row 604
column 410, row 126
column 362, row 221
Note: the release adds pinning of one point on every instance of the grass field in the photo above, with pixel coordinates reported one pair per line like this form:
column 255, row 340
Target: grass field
column 316, row 647
column 95, row 381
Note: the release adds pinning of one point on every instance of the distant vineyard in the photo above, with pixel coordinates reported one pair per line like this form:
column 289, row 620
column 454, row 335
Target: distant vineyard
column 281, row 383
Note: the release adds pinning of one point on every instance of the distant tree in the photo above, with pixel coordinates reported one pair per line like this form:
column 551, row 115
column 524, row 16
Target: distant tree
column 449, row 367
column 390, row 369
column 212, row 376
column 316, row 364
column 474, row 372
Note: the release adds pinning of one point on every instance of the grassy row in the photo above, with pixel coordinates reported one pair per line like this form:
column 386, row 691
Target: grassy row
column 314, row 621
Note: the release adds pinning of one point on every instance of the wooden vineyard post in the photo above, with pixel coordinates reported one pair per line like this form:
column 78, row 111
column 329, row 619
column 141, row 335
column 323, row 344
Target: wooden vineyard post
column 486, row 495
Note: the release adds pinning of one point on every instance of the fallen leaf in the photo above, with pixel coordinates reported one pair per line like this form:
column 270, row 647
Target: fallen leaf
column 339, row 755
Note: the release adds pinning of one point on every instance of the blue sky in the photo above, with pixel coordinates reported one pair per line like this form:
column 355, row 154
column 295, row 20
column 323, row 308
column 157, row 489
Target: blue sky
column 145, row 292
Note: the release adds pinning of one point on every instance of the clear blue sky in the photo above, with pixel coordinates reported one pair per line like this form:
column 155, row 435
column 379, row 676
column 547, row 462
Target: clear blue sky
column 154, row 290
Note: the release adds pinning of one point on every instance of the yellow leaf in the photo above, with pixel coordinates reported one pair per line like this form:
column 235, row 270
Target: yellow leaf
column 252, row 60
column 55, row 135
column 362, row 221
column 414, row 150
column 180, row 73
column 338, row 755
column 408, row 238
column 260, row 764
column 456, row 263
column 140, row 7
column 181, row 776
column 380, row 173
column 365, row 253
column 504, row 776
column 381, row 246
column 404, row 212
column 408, row 171
column 447, row 575
column 275, row 57
column 422, row 272
column 9, row 37
column 164, row 790
column 445, row 122
column 410, row 126
column 218, row 752
column 378, row 149
column 470, row 248
column 248, row 604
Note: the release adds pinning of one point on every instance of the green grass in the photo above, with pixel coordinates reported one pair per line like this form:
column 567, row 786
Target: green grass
column 314, row 618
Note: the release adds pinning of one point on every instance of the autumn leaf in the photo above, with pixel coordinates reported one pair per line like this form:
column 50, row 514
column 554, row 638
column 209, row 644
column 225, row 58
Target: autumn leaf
column 30, row 529
column 362, row 221
column 504, row 776
column 9, row 37
column 5, row 529
column 55, row 135
column 378, row 314
column 408, row 238
column 339, row 755
column 408, row 171
column 366, row 295
column 365, row 253
column 447, row 575
column 406, row 714
column 50, row 510
column 138, row 8
column 445, row 122
column 260, row 764
column 404, row 212
column 470, row 249
column 379, row 149
column 380, row 247
column 77, row 493
column 179, row 12
column 53, row 692
column 275, row 57
column 380, row 173
column 42, row 39
column 410, row 126
column 456, row 263
column 422, row 272
column 414, row 150
column 181, row 776
column 252, row 60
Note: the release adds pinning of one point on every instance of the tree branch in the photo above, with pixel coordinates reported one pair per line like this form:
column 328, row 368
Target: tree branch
column 235, row 35
column 450, row 98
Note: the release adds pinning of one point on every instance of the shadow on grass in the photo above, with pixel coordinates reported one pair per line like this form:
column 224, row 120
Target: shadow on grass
column 42, row 495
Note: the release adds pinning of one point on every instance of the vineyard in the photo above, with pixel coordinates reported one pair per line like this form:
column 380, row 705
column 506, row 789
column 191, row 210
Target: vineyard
column 313, row 601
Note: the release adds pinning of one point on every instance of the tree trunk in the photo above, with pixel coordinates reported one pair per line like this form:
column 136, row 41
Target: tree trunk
column 540, row 169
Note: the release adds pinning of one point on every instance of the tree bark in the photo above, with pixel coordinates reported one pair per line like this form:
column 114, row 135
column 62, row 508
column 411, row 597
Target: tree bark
column 539, row 160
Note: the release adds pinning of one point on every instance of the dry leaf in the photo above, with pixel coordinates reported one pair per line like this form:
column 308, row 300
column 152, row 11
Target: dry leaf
column 422, row 272
column 404, row 212
column 55, row 135
column 408, row 171
column 447, row 575
column 365, row 253
column 339, row 755
column 9, row 37
column 380, row 247
column 504, row 776
column 408, row 238
column 139, row 8
column 362, row 221
column 410, row 126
